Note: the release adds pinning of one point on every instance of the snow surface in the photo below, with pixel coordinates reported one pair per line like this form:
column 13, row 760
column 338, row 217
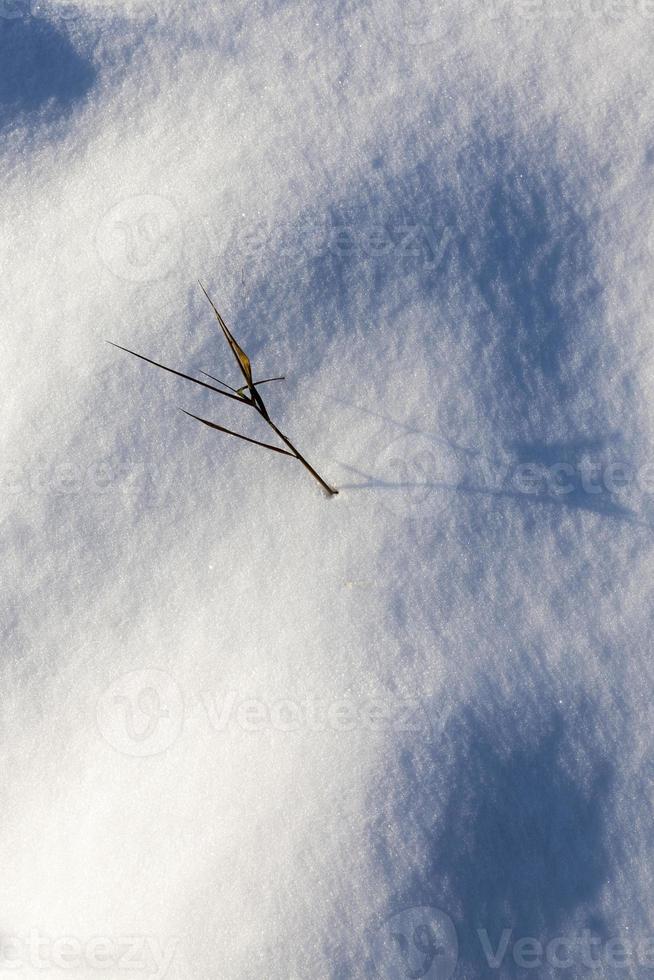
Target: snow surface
column 259, row 731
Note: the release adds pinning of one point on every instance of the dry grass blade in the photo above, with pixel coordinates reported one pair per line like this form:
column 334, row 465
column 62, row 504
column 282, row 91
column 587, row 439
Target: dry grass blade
column 235, row 390
column 266, row 381
column 230, row 432
column 238, row 391
column 242, row 359
column 238, row 395
column 179, row 374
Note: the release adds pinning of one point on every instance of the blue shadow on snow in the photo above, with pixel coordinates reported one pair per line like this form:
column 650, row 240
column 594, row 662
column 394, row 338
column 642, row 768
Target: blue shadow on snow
column 41, row 73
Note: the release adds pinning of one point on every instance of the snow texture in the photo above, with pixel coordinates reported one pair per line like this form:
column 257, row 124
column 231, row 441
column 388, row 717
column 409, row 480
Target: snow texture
column 249, row 731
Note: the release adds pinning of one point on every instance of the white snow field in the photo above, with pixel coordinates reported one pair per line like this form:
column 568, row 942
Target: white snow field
column 249, row 731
